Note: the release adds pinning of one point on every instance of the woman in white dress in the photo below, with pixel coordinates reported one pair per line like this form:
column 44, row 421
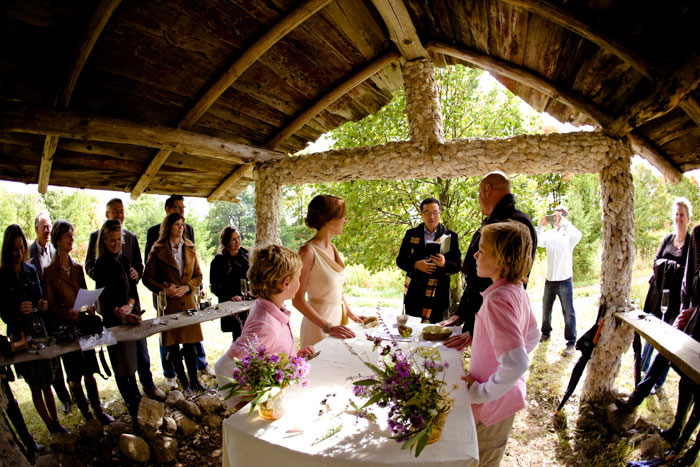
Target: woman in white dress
column 323, row 274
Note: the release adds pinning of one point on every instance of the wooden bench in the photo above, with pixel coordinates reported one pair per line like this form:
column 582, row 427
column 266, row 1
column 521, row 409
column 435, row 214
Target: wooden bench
column 131, row 333
column 678, row 347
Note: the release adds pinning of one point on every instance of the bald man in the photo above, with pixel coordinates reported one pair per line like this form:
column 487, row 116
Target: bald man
column 497, row 203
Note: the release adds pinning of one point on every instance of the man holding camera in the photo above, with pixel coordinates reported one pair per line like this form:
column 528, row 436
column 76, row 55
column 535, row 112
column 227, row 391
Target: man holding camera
column 559, row 241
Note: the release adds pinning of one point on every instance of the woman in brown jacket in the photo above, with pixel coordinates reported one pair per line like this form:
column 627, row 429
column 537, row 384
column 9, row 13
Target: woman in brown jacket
column 62, row 279
column 172, row 267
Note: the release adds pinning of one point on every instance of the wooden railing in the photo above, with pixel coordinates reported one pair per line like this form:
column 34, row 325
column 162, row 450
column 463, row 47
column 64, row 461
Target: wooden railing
column 131, row 333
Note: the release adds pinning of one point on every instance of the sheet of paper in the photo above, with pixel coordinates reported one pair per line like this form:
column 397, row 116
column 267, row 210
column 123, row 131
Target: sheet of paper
column 97, row 340
column 444, row 244
column 86, row 298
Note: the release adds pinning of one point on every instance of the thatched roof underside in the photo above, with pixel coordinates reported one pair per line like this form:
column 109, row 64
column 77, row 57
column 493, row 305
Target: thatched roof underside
column 120, row 86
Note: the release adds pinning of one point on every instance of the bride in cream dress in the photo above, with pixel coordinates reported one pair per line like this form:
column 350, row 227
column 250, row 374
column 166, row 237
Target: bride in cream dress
column 323, row 274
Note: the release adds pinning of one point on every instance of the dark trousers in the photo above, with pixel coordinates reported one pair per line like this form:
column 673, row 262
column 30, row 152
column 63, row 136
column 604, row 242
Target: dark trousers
column 658, row 367
column 59, row 383
column 565, row 291
column 169, row 371
column 143, row 361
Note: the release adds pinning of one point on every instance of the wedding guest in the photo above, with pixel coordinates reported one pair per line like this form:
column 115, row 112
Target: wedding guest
column 175, row 203
column 21, row 288
column 130, row 250
column 41, row 252
column 505, row 332
column 117, row 307
column 274, row 278
column 172, row 267
column 228, row 268
column 323, row 275
column 62, row 280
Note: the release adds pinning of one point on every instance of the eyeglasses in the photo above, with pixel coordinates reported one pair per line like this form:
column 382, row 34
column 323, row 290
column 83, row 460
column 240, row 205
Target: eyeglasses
column 430, row 213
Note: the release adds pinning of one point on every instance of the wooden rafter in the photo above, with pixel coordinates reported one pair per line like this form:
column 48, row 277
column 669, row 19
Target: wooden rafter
column 524, row 76
column 645, row 149
column 333, row 95
column 237, row 68
column 401, row 29
column 90, row 128
column 94, row 29
column 568, row 21
column 245, row 170
column 691, row 107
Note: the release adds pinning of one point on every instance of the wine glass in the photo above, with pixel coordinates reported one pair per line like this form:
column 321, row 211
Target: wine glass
column 244, row 289
column 665, row 298
column 162, row 305
column 197, row 296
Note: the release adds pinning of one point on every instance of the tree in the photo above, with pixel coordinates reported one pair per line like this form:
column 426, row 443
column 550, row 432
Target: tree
column 240, row 215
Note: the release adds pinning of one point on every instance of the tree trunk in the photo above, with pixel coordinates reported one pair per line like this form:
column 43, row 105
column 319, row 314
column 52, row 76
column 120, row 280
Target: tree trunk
column 9, row 452
column 268, row 197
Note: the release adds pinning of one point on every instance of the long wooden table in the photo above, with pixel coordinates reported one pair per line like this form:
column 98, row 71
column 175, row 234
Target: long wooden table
column 678, row 347
column 135, row 332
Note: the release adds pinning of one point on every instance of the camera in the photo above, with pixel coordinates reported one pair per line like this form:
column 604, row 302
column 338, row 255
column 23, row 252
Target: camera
column 551, row 218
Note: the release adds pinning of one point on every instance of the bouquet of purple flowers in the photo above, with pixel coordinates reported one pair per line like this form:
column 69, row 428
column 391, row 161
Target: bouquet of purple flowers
column 414, row 393
column 260, row 376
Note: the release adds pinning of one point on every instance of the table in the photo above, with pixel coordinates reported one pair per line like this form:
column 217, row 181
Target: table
column 299, row 437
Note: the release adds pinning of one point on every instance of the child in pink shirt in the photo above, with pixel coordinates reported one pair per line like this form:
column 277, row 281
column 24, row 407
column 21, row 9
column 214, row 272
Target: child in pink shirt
column 505, row 332
column 274, row 277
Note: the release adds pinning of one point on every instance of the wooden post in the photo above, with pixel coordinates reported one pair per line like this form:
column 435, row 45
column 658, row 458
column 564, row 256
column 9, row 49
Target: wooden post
column 617, row 193
column 268, row 198
column 422, row 104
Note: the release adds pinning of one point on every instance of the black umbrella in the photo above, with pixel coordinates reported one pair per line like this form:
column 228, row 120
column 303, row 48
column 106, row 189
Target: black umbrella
column 585, row 344
column 637, row 348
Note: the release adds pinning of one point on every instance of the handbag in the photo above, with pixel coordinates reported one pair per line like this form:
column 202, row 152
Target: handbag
column 19, row 342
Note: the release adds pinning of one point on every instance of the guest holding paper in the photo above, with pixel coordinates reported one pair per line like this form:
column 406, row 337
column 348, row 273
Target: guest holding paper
column 274, row 278
column 429, row 254
column 117, row 306
column 62, row 280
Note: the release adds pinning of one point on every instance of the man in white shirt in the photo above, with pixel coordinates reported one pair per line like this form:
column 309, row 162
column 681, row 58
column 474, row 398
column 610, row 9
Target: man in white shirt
column 559, row 242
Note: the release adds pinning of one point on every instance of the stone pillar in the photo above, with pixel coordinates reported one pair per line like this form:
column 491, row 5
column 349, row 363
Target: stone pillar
column 422, row 104
column 268, row 198
column 9, row 451
column 617, row 194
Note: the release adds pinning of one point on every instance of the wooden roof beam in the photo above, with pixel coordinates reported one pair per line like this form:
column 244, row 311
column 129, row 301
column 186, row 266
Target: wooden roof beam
column 568, row 21
column 401, row 29
column 234, row 71
column 245, row 170
column 333, row 95
column 94, row 29
column 645, row 149
column 90, row 128
column 524, row 76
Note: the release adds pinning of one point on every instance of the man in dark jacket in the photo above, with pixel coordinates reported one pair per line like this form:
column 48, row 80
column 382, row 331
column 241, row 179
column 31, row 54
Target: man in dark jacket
column 498, row 204
column 427, row 288
column 175, row 203
column 131, row 251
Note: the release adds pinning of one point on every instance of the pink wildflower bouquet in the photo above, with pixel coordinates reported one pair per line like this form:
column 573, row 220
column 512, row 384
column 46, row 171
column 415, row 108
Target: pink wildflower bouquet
column 414, row 393
column 260, row 376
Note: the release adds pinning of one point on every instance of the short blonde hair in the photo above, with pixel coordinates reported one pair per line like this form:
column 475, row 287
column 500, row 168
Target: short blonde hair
column 682, row 201
column 269, row 266
column 511, row 244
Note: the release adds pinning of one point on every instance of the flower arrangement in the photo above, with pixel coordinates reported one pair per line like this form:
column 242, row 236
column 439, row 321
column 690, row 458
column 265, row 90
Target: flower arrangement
column 259, row 376
column 414, row 392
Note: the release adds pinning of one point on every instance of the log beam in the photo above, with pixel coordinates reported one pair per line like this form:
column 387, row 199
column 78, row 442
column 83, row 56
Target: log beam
column 333, row 95
column 691, row 107
column 645, row 149
column 524, row 76
column 234, row 71
column 568, row 21
column 94, row 29
column 245, row 170
column 401, row 29
column 91, row 128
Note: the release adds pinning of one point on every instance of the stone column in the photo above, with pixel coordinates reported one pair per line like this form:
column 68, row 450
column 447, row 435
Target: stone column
column 268, row 198
column 422, row 104
column 9, row 451
column 617, row 194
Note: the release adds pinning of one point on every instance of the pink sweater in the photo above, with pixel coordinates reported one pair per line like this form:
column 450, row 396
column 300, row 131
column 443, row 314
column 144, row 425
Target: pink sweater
column 271, row 325
column 505, row 332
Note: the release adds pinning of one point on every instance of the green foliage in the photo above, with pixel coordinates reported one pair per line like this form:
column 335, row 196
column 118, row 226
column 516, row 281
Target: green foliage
column 584, row 203
column 240, row 215
column 141, row 214
column 79, row 208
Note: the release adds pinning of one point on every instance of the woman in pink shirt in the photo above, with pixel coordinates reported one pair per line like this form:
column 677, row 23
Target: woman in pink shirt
column 505, row 332
column 274, row 277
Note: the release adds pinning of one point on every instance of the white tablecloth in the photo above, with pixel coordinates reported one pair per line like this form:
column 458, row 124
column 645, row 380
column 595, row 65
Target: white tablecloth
column 296, row 439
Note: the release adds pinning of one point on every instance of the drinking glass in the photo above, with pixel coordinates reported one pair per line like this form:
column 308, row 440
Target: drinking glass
column 244, row 289
column 197, row 297
column 665, row 298
column 162, row 305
